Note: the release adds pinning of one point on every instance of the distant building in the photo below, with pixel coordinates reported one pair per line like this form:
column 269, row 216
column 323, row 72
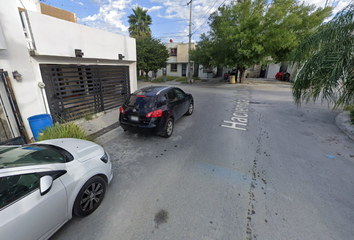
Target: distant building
column 50, row 64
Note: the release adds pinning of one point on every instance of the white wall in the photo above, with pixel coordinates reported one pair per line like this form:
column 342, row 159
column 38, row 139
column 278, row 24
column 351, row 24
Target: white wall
column 272, row 70
column 56, row 37
column 30, row 5
column 202, row 74
column 3, row 44
column 16, row 57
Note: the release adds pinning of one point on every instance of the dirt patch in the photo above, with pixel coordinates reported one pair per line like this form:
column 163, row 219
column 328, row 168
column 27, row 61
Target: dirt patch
column 160, row 218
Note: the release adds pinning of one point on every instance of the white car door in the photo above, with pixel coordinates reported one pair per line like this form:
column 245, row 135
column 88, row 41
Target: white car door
column 25, row 213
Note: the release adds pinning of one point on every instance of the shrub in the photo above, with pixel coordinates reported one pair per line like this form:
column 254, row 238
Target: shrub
column 62, row 130
column 349, row 107
column 352, row 116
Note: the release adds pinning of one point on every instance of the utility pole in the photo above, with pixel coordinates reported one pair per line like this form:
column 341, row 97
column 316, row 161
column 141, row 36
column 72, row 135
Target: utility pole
column 190, row 43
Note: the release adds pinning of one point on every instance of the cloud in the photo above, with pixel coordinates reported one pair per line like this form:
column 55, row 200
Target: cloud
column 109, row 17
column 154, row 8
column 337, row 5
column 98, row 2
column 80, row 3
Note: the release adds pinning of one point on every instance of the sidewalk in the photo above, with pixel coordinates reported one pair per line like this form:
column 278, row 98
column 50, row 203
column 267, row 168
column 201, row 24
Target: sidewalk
column 100, row 124
column 107, row 121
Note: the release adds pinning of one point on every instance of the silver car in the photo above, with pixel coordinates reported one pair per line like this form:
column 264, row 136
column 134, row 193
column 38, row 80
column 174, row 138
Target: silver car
column 43, row 184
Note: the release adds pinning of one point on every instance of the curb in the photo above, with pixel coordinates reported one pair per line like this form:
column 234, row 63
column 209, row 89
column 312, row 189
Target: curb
column 343, row 122
column 104, row 131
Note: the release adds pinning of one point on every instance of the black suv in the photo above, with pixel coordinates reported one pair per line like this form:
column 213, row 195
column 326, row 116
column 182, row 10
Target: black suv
column 154, row 109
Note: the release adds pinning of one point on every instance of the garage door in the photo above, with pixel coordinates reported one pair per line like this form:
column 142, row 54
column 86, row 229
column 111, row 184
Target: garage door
column 75, row 91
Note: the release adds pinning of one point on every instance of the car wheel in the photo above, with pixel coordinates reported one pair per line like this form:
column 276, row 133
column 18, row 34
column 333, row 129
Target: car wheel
column 169, row 128
column 190, row 109
column 90, row 197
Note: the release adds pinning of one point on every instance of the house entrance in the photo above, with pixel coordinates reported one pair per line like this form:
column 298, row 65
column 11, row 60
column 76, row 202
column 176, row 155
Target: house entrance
column 75, row 91
column 184, row 69
column 12, row 131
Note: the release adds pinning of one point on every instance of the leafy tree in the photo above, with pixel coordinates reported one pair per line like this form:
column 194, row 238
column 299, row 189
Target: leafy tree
column 151, row 54
column 248, row 32
column 139, row 23
column 325, row 62
column 204, row 53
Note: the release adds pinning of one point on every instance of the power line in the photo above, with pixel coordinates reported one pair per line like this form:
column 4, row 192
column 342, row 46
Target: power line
column 207, row 19
column 208, row 10
column 172, row 21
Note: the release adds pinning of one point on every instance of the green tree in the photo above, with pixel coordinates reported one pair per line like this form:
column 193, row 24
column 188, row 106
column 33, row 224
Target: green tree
column 204, row 52
column 151, row 54
column 325, row 62
column 139, row 23
column 248, row 32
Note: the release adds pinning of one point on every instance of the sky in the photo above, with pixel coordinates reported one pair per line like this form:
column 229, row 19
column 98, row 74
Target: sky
column 170, row 18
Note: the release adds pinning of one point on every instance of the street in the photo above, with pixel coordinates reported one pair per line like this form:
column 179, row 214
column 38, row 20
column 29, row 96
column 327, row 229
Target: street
column 247, row 164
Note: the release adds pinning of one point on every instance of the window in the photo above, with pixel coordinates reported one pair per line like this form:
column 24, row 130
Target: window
column 173, row 68
column 173, row 51
column 141, row 100
column 162, row 101
column 15, row 187
column 171, row 95
column 180, row 93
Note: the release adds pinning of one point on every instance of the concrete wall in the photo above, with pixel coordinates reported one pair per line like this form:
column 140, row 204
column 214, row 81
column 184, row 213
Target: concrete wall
column 272, row 70
column 254, row 71
column 182, row 52
column 203, row 74
column 29, row 5
column 175, row 74
column 3, row 44
column 16, row 57
column 55, row 37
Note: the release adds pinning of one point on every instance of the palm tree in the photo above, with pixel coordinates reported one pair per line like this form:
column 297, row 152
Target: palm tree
column 139, row 23
column 325, row 62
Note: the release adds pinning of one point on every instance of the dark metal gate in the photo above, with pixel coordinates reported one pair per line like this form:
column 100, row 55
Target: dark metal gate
column 10, row 133
column 75, row 91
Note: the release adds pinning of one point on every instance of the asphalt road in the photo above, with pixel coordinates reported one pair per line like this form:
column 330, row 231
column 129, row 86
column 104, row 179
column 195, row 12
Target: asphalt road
column 248, row 164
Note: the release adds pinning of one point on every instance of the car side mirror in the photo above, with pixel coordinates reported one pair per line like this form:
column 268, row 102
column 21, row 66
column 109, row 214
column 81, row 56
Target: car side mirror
column 45, row 184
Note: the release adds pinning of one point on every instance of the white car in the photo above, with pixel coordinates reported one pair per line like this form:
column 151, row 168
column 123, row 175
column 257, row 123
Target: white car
column 43, row 184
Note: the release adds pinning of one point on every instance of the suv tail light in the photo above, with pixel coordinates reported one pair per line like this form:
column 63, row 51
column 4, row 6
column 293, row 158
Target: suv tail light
column 121, row 110
column 154, row 114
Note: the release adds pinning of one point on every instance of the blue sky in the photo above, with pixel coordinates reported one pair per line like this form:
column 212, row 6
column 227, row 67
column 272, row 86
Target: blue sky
column 170, row 18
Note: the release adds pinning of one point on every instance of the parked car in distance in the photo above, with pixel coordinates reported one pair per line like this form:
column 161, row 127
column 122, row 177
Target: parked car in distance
column 43, row 184
column 155, row 109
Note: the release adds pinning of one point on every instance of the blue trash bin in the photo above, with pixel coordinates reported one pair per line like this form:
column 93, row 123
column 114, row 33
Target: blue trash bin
column 39, row 123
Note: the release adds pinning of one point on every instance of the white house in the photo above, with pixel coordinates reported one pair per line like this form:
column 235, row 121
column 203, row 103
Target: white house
column 50, row 64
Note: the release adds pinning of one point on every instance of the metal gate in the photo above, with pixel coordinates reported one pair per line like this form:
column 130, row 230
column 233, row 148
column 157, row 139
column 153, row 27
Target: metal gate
column 12, row 130
column 75, row 91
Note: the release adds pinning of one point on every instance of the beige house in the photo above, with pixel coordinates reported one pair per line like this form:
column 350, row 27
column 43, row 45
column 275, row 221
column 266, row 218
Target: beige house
column 177, row 63
column 178, row 60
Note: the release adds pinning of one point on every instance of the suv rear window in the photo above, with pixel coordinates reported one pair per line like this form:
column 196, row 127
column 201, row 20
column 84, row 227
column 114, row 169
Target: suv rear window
column 141, row 101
